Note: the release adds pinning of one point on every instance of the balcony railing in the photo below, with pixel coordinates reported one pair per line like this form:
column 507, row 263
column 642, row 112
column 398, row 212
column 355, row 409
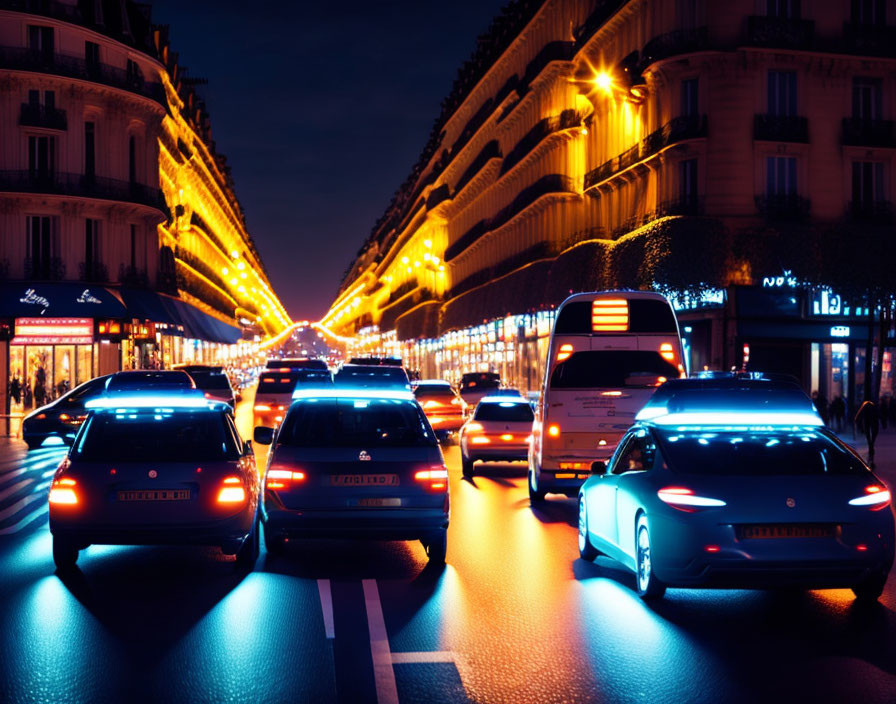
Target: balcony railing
column 94, row 272
column 682, row 41
column 42, row 116
column 81, row 186
column 878, row 212
column 868, row 133
column 24, row 59
column 44, row 269
column 869, row 39
column 783, row 206
column 780, row 32
column 781, row 128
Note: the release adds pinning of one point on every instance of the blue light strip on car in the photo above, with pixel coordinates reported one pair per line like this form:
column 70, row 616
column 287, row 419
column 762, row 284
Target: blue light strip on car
column 355, row 393
column 149, row 401
column 660, row 416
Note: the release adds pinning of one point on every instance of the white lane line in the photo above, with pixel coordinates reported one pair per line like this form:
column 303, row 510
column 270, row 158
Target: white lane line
column 12, row 475
column 16, row 527
column 19, row 505
column 326, row 605
column 422, row 657
column 10, row 490
column 383, row 674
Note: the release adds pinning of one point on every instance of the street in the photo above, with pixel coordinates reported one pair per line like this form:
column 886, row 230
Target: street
column 515, row 616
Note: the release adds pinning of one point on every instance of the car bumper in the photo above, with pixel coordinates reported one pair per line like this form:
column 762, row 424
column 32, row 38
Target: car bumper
column 446, row 423
column 505, row 453
column 562, row 481
column 374, row 524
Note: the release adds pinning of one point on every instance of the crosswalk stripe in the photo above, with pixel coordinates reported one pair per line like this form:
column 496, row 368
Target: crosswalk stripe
column 9, row 491
column 30, row 518
column 18, row 506
column 12, row 475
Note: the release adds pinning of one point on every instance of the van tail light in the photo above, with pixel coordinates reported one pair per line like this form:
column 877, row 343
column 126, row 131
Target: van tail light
column 565, row 352
column 232, row 492
column 435, row 479
column 876, row 497
column 62, row 492
column 554, row 430
column 685, row 499
column 667, row 352
column 262, row 407
column 283, row 478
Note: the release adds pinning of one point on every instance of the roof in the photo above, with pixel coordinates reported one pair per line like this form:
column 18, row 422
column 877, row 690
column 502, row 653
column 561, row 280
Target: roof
column 133, row 399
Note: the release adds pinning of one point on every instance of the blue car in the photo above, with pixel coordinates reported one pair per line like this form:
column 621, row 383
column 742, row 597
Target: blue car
column 63, row 417
column 736, row 483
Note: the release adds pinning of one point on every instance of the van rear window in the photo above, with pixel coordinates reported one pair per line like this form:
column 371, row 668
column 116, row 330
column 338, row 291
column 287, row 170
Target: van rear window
column 612, row 369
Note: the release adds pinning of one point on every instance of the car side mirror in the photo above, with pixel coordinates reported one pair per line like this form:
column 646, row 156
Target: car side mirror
column 598, row 467
column 263, row 435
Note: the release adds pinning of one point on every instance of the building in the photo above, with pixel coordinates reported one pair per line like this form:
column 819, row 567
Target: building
column 727, row 154
column 113, row 205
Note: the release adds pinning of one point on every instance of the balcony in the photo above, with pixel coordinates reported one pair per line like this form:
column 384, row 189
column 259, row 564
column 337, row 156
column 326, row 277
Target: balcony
column 93, row 272
column 874, row 212
column 780, row 32
column 80, row 186
column 682, row 41
column 33, row 115
column 44, row 269
column 783, row 206
column 781, row 128
column 868, row 133
column 24, row 59
column 869, row 39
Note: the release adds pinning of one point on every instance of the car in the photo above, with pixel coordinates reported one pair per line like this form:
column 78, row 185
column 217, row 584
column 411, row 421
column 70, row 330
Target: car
column 297, row 363
column 146, row 379
column 499, row 430
column 377, row 361
column 736, row 483
column 62, row 417
column 474, row 386
column 355, row 463
column 507, row 391
column 372, row 376
column 273, row 396
column 444, row 408
column 156, row 469
column 212, row 381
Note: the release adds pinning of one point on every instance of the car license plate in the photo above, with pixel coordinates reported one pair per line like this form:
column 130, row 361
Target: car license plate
column 377, row 502
column 155, row 495
column 756, row 532
column 364, row 480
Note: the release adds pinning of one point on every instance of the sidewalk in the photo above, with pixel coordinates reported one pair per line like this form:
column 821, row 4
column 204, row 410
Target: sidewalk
column 884, row 451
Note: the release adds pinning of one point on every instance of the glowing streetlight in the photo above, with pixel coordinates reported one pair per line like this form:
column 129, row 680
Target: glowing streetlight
column 604, row 81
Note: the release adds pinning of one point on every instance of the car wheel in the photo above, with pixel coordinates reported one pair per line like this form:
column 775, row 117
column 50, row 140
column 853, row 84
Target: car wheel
column 65, row 553
column 649, row 587
column 536, row 495
column 437, row 547
column 248, row 553
column 274, row 544
column 870, row 590
column 467, row 466
column 586, row 550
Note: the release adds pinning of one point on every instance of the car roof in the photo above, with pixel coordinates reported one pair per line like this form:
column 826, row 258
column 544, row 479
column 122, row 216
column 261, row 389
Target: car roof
column 364, row 393
column 137, row 401
column 730, row 401
column 190, row 368
column 432, row 382
column 518, row 400
column 148, row 378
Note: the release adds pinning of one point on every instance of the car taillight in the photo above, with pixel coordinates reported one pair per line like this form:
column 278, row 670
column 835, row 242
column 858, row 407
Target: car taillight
column 554, row 430
column 62, row 492
column 685, row 499
column 564, row 352
column 435, row 479
column 480, row 440
column 431, row 404
column 40, row 416
column 667, row 352
column 262, row 407
column 232, row 492
column 876, row 497
column 474, row 427
column 282, row 478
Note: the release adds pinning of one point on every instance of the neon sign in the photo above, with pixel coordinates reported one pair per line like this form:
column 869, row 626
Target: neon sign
column 53, row 331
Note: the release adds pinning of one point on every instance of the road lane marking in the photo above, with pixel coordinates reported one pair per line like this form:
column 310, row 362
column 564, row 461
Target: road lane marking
column 423, row 657
column 12, row 475
column 383, row 674
column 10, row 490
column 326, row 605
column 19, row 505
column 16, row 527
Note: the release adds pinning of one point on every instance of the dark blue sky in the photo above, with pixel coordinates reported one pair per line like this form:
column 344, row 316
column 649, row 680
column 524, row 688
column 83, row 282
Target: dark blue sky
column 322, row 110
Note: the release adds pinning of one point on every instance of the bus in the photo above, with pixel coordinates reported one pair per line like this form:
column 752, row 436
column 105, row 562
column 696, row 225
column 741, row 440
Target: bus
column 607, row 353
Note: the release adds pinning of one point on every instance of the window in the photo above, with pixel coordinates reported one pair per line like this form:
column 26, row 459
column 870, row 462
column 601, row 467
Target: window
column 89, row 150
column 41, row 156
column 867, row 184
column 39, row 246
column 132, row 159
column 867, row 96
column 690, row 105
column 616, row 369
column 785, row 9
column 687, row 181
column 869, row 12
column 91, row 246
column 780, row 176
column 92, row 57
column 638, row 454
column 505, row 412
column 40, row 40
column 782, row 93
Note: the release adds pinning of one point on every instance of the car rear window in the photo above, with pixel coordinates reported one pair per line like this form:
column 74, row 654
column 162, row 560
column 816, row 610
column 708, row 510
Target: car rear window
column 612, row 369
column 205, row 380
column 505, row 412
column 484, row 380
column 436, row 390
column 372, row 377
column 766, row 453
column 273, row 383
column 181, row 436
column 362, row 423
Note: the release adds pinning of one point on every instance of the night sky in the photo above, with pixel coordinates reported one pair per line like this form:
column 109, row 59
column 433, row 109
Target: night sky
column 321, row 109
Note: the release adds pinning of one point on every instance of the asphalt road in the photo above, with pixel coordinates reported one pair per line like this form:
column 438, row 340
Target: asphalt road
column 515, row 616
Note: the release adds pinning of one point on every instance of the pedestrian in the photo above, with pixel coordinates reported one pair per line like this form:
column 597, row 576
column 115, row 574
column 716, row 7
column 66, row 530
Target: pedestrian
column 15, row 390
column 821, row 405
column 868, row 421
column 838, row 411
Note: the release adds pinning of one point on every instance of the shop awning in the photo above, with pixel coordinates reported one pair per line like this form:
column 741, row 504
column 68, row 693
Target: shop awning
column 201, row 326
column 59, row 300
column 147, row 305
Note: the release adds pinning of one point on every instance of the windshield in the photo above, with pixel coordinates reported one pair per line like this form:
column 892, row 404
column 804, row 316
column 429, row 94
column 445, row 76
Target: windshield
column 277, row 383
column 506, row 412
column 756, row 453
column 348, row 422
column 612, row 370
column 181, row 436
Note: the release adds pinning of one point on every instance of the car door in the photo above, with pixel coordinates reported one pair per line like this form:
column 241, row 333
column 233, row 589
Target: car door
column 602, row 499
column 640, row 457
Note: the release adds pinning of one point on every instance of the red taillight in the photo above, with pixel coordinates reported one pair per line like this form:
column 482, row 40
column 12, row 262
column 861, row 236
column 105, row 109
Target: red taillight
column 876, row 498
column 435, row 479
column 474, row 427
column 262, row 407
column 62, row 493
column 232, row 492
column 685, row 500
column 712, row 548
column 283, row 478
column 565, row 352
column 667, row 352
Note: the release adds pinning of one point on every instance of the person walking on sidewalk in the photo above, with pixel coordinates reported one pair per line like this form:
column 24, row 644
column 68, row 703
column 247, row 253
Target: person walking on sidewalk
column 838, row 411
column 868, row 421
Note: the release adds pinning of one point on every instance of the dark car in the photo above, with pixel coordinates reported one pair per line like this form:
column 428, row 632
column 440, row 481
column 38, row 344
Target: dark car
column 297, row 363
column 364, row 376
column 377, row 361
column 214, row 385
column 474, row 386
column 150, row 380
column 355, row 464
column 62, row 417
column 156, row 469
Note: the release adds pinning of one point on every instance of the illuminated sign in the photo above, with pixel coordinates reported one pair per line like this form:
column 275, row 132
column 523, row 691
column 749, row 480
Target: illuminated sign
column 786, row 280
column 609, row 315
column 840, row 331
column 826, row 302
column 32, row 298
column 87, row 297
column 53, row 331
column 710, row 298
